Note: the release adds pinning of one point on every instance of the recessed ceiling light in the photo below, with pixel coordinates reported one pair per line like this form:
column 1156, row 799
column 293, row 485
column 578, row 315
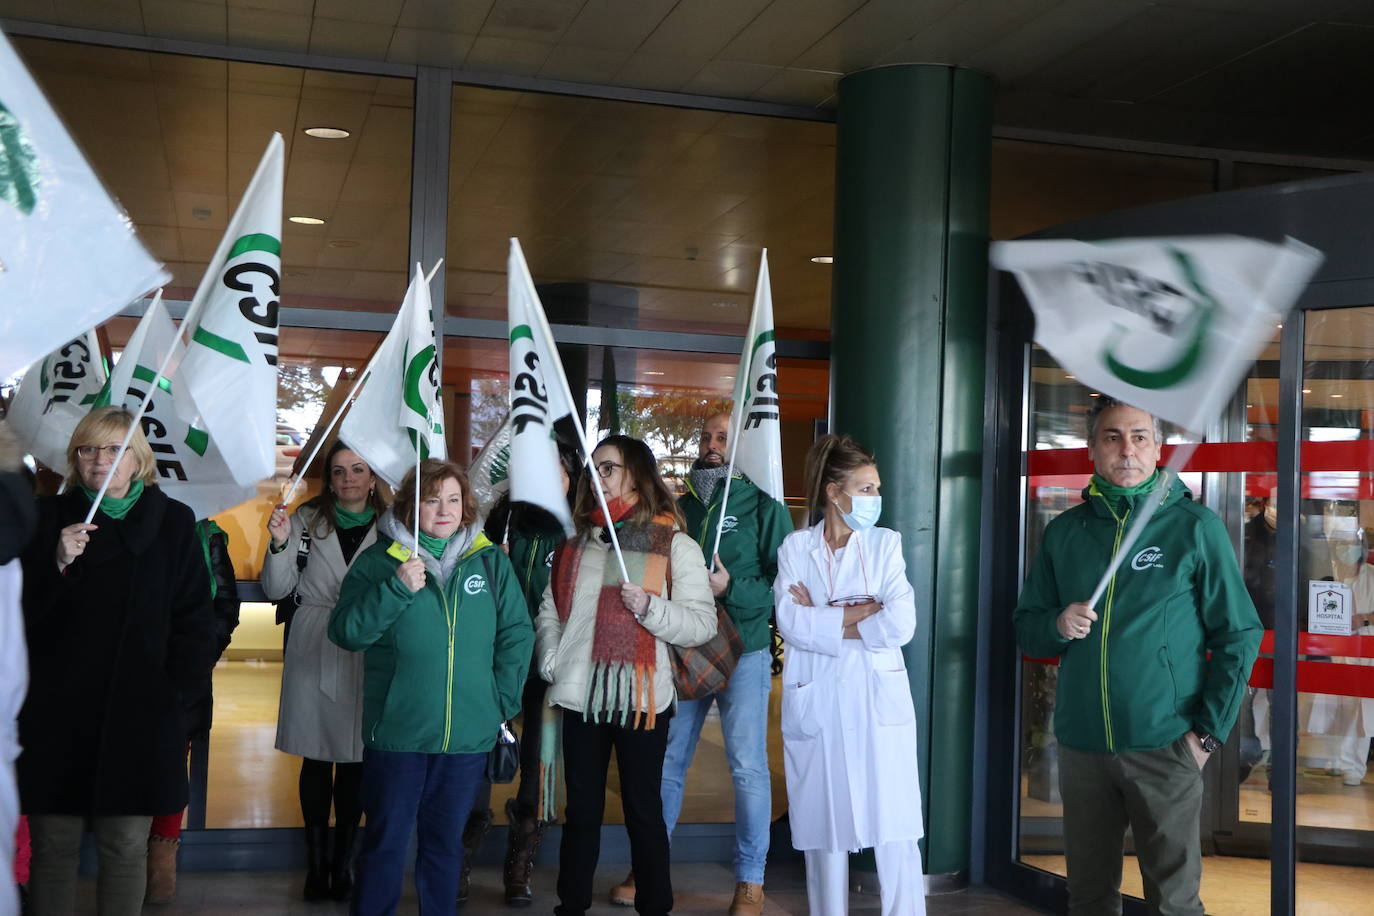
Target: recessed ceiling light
column 307, row 220
column 823, row 259
column 651, row 372
column 327, row 133
column 1279, row 325
column 1338, row 395
column 1094, row 394
column 728, row 378
column 1071, row 376
column 1307, row 391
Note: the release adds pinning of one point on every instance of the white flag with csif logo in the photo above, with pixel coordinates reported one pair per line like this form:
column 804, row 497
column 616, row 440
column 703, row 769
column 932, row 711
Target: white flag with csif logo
column 230, row 367
column 1167, row 324
column 398, row 418
column 69, row 257
column 55, row 393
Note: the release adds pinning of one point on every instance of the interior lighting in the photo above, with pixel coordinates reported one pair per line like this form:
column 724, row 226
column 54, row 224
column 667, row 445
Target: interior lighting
column 328, row 133
column 307, row 220
column 1307, row 391
column 1071, row 376
column 1338, row 395
column 651, row 372
column 823, row 259
column 1094, row 394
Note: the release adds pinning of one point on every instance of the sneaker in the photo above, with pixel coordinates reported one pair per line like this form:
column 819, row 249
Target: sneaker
column 748, row 900
column 623, row 894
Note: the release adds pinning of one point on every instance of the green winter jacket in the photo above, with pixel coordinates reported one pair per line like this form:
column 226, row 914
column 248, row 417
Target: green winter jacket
column 748, row 550
column 1142, row 677
column 445, row 666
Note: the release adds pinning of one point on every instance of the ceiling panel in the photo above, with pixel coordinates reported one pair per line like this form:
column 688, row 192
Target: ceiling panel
column 874, row 29
column 786, row 28
column 270, row 29
column 616, row 26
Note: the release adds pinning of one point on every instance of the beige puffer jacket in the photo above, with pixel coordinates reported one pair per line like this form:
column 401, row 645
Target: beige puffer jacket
column 687, row 617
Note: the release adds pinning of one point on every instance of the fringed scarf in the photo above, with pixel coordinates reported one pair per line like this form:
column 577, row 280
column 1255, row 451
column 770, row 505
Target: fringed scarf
column 621, row 682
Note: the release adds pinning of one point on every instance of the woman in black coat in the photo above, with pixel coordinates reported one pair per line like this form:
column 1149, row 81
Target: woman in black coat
column 120, row 631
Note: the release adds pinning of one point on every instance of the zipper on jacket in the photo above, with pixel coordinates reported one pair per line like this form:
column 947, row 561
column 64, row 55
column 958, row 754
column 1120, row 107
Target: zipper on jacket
column 450, row 617
column 1104, row 670
column 535, row 550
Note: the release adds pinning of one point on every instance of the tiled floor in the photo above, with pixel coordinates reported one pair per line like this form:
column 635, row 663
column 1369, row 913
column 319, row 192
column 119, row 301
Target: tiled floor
column 699, row 889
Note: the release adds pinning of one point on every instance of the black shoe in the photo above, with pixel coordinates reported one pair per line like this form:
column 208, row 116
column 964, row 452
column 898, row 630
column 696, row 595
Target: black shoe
column 341, row 872
column 316, row 864
column 523, row 837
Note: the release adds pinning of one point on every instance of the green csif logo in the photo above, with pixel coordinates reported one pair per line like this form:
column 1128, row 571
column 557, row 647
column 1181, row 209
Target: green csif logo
column 1186, row 315
column 18, row 164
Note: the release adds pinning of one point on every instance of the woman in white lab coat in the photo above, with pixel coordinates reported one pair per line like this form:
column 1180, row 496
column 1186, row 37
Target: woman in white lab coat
column 845, row 608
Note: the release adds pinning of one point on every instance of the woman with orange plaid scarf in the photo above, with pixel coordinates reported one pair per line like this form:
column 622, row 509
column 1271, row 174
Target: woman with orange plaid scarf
column 602, row 645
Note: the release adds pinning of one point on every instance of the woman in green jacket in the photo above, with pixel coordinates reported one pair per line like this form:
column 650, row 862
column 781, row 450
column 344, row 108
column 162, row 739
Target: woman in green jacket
column 447, row 642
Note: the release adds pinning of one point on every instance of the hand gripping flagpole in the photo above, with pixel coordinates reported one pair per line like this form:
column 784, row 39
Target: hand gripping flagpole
column 133, row 423
column 594, row 478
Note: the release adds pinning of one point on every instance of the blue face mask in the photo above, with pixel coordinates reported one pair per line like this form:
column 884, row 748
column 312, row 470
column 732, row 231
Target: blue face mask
column 864, row 512
column 1349, row 554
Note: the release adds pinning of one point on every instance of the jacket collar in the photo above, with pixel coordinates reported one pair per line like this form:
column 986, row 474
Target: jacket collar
column 465, row 542
column 1176, row 492
column 739, row 485
column 135, row 532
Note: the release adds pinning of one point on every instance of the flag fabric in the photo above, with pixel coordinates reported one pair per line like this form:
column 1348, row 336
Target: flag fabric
column 191, row 467
column 53, row 396
column 69, row 257
column 489, row 475
column 399, row 408
column 230, row 366
column 755, row 421
column 1169, row 325
column 538, row 396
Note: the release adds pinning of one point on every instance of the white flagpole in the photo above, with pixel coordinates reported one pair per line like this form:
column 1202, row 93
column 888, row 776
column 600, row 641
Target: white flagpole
column 418, row 441
column 577, row 421
column 133, row 424
column 737, row 409
column 1177, row 460
column 297, row 479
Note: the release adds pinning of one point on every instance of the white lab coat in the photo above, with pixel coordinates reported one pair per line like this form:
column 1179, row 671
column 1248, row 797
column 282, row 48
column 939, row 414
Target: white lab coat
column 848, row 721
column 14, row 682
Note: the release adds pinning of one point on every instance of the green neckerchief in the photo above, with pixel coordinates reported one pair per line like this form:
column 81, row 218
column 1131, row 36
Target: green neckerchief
column 1114, row 494
column 206, row 529
column 345, row 519
column 116, row 508
column 434, row 546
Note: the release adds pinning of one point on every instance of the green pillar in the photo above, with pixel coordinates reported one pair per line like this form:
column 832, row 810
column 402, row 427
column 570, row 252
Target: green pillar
column 908, row 334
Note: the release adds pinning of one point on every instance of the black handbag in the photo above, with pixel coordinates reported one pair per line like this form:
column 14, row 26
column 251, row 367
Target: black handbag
column 503, row 762
column 287, row 607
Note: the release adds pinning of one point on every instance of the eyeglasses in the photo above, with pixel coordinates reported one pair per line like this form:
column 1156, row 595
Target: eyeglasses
column 89, row 452
column 607, row 468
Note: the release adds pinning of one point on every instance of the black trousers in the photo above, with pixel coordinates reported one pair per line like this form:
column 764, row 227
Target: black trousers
column 587, row 750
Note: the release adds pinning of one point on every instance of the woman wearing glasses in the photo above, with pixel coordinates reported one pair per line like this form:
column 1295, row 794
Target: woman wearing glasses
column 120, row 630
column 845, row 608
column 601, row 642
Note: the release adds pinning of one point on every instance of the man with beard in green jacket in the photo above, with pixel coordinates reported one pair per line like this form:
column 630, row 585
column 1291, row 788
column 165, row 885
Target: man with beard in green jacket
column 1151, row 680
column 747, row 561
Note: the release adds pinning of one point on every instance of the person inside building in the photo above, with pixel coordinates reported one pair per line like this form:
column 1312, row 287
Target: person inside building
column 1151, row 679
column 742, row 580
column 320, row 717
column 845, row 609
column 119, row 610
column 603, row 646
column 530, row 535
column 447, row 639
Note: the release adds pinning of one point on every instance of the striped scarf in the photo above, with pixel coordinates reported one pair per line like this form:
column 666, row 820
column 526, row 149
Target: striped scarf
column 623, row 652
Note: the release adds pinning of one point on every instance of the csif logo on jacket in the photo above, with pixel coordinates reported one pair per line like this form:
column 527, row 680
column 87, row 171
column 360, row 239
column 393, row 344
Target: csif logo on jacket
column 1149, row 558
column 728, row 524
column 474, row 584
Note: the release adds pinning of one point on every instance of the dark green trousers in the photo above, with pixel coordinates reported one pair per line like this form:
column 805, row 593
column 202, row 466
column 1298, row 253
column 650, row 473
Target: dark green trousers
column 1159, row 794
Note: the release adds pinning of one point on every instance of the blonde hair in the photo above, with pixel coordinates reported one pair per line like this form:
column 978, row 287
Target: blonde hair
column 831, row 460
column 102, row 424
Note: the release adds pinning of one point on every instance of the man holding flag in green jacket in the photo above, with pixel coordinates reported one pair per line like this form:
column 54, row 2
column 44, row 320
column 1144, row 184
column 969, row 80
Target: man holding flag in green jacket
column 746, row 561
column 1151, row 679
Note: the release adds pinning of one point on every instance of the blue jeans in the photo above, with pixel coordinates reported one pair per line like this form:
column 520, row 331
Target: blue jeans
column 744, row 723
column 431, row 794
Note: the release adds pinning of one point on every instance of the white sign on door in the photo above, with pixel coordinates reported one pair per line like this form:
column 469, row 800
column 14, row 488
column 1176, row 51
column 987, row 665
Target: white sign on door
column 1329, row 608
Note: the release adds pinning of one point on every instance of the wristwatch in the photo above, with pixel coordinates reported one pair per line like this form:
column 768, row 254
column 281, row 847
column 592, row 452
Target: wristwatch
column 1209, row 744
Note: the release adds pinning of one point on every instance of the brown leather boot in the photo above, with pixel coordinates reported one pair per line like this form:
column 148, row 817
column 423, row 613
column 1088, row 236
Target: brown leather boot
column 522, row 844
column 162, row 870
column 623, row 894
column 479, row 822
column 748, row 900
